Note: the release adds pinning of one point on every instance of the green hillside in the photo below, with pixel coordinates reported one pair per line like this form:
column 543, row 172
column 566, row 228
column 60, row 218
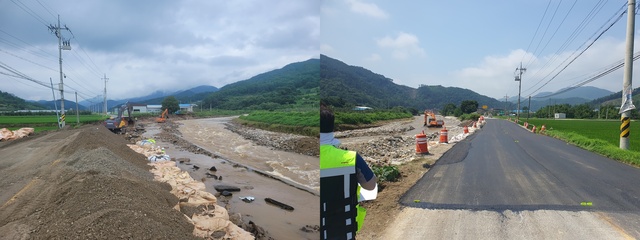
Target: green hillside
column 9, row 102
column 293, row 86
column 344, row 86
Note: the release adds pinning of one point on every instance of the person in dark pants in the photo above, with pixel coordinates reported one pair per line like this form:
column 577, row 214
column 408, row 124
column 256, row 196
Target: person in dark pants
column 340, row 173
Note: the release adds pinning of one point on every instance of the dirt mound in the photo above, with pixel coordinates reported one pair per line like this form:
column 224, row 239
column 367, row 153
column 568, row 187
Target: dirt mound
column 88, row 185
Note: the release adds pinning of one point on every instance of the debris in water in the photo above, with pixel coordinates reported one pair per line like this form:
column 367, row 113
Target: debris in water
column 279, row 204
column 213, row 169
column 247, row 199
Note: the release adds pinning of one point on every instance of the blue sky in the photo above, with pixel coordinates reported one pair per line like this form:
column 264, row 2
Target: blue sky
column 476, row 44
column 152, row 45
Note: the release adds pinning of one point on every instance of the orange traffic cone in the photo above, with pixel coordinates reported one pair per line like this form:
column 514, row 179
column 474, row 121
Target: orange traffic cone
column 465, row 129
column 444, row 138
column 421, row 143
column 533, row 130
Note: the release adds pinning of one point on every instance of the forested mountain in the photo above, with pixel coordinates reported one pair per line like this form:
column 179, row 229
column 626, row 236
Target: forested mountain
column 615, row 99
column 293, row 85
column 9, row 102
column 50, row 105
column 343, row 85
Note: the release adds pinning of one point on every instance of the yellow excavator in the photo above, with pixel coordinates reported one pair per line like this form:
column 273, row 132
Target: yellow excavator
column 116, row 124
column 431, row 121
column 163, row 116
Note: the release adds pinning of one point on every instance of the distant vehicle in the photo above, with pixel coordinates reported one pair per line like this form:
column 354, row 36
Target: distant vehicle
column 361, row 108
column 430, row 120
column 116, row 124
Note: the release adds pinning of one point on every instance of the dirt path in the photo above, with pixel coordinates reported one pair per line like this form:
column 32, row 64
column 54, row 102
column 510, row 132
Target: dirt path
column 206, row 143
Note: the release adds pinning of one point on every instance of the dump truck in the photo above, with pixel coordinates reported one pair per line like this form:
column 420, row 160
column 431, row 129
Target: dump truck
column 116, row 124
column 430, row 120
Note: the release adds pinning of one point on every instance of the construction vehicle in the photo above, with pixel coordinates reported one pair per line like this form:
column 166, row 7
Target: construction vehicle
column 430, row 120
column 116, row 124
column 163, row 116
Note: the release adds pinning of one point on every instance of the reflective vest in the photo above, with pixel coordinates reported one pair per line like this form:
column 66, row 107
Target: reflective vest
column 340, row 215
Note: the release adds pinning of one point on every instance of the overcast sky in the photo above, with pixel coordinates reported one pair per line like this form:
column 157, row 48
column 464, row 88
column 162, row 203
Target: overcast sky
column 476, row 44
column 144, row 46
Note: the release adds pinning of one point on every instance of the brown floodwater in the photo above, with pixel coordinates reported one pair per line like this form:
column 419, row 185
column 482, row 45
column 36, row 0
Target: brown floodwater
column 292, row 184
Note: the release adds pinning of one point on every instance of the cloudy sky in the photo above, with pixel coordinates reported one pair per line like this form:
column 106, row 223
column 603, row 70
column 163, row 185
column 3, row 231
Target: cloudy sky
column 144, row 46
column 477, row 44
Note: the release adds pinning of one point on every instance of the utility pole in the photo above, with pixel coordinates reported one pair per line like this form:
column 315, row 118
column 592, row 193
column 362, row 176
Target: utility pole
column 77, row 111
column 505, row 104
column 62, row 45
column 529, row 108
column 105, row 93
column 54, row 102
column 519, row 71
column 627, row 104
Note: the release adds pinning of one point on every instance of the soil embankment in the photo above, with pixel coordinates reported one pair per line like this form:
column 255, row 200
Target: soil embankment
column 83, row 183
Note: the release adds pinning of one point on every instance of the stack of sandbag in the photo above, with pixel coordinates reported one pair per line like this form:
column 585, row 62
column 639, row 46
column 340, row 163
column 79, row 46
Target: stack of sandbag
column 149, row 149
column 192, row 193
column 8, row 135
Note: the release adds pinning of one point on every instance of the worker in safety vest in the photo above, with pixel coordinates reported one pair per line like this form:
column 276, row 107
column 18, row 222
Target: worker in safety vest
column 340, row 172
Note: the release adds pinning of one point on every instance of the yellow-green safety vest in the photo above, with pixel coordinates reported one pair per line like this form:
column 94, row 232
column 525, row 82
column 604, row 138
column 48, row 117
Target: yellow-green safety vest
column 341, row 216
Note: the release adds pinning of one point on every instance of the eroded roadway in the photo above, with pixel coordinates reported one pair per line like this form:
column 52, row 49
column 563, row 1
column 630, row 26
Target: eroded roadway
column 506, row 171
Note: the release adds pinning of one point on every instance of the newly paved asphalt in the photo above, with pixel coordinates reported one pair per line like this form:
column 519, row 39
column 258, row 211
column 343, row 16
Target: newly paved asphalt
column 505, row 167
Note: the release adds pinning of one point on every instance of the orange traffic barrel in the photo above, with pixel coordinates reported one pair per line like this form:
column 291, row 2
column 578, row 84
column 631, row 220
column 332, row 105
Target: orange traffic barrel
column 443, row 135
column 543, row 128
column 465, row 129
column 533, row 130
column 421, row 143
column 526, row 125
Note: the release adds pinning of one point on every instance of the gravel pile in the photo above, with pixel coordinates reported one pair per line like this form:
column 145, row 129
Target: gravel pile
column 388, row 129
column 280, row 141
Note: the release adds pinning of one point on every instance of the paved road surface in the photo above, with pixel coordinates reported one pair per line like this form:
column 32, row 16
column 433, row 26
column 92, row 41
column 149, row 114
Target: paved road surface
column 505, row 182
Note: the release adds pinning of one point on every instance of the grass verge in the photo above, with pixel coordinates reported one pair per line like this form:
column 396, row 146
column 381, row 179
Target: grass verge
column 598, row 146
column 300, row 123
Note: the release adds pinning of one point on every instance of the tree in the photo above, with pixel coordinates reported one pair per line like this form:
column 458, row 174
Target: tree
column 469, row 106
column 170, row 103
column 448, row 109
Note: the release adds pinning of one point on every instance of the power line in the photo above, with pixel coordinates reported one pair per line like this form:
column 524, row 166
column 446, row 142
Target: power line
column 576, row 57
column 536, row 33
column 30, row 12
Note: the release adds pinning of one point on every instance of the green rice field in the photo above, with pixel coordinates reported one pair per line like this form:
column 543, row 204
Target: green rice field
column 606, row 130
column 43, row 123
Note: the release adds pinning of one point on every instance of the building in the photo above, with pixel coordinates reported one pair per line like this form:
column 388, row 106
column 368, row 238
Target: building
column 361, row 108
column 560, row 116
column 154, row 108
column 186, row 107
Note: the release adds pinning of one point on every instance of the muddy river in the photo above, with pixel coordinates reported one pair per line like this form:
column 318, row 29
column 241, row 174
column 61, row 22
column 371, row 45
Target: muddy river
column 294, row 177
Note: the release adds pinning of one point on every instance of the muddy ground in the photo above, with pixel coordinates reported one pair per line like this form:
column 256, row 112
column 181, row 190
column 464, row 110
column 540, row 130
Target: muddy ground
column 239, row 162
column 394, row 144
column 81, row 184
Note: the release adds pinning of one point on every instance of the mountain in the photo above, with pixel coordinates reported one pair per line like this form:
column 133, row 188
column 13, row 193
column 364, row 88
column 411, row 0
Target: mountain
column 615, row 99
column 190, row 95
column 345, row 85
column 9, row 102
column 585, row 92
column 67, row 105
column 294, row 85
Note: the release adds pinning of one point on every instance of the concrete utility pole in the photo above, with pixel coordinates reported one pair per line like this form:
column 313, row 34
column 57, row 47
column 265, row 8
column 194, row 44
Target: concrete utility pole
column 529, row 108
column 105, row 93
column 626, row 81
column 77, row 111
column 62, row 45
column 519, row 71
column 505, row 104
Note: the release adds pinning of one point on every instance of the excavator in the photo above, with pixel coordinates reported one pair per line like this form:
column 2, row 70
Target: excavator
column 116, row 124
column 430, row 120
column 163, row 116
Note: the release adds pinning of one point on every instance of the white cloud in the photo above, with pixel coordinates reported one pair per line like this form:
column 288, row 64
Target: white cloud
column 374, row 57
column 326, row 49
column 403, row 45
column 369, row 9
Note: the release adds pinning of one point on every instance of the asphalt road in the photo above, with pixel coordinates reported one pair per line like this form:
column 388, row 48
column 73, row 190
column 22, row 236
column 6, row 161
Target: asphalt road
column 505, row 174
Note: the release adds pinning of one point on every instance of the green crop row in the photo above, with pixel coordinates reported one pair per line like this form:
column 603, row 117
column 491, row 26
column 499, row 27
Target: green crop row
column 45, row 120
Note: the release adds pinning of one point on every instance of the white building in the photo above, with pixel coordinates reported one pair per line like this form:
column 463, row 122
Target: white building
column 560, row 116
